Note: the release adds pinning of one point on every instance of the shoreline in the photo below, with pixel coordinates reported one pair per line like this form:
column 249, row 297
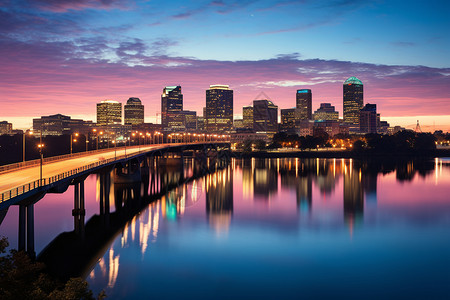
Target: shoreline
column 342, row 154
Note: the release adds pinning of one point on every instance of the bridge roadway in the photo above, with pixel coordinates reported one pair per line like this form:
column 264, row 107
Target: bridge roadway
column 18, row 181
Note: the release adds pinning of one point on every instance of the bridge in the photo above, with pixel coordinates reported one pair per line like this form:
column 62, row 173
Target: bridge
column 23, row 180
column 26, row 183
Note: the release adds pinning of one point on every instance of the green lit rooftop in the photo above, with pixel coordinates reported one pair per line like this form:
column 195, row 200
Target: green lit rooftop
column 353, row 80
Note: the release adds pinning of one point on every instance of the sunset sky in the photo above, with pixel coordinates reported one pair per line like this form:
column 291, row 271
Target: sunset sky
column 64, row 56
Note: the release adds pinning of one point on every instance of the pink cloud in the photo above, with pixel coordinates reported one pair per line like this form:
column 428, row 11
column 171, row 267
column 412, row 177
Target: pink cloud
column 47, row 78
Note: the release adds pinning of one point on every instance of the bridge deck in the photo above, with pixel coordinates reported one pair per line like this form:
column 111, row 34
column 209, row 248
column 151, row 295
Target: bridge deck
column 14, row 182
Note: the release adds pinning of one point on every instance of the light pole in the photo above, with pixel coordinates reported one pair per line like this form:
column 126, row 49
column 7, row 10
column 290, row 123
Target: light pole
column 23, row 147
column 41, row 146
column 72, row 140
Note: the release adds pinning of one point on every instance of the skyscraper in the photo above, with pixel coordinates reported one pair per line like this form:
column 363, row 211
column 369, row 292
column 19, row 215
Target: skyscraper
column 368, row 119
column 353, row 101
column 247, row 116
column 134, row 112
column 288, row 119
column 304, row 104
column 219, row 108
column 265, row 116
column 109, row 112
column 171, row 107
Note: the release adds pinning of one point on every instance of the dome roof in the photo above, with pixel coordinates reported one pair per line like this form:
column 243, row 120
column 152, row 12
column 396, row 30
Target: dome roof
column 353, row 80
column 134, row 100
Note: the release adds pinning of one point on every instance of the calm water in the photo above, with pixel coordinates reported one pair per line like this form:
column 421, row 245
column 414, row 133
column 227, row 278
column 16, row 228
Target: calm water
column 276, row 229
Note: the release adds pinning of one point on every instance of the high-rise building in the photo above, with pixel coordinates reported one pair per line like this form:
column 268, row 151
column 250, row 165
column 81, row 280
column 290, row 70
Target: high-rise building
column 326, row 112
column 109, row 112
column 304, row 104
column 219, row 108
column 265, row 116
column 134, row 112
column 368, row 119
column 247, row 116
column 171, row 107
column 288, row 117
column 353, row 101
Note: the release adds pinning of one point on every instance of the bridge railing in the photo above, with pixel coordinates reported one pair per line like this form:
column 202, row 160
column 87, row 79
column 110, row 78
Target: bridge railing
column 36, row 162
column 17, row 191
column 14, row 192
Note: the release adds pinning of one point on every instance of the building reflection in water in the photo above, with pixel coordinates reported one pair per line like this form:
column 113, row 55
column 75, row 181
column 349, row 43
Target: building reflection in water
column 219, row 199
column 265, row 178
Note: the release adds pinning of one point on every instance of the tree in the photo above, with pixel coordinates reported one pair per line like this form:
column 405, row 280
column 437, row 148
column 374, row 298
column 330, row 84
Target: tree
column 22, row 278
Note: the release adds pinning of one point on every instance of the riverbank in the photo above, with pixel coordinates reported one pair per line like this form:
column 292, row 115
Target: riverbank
column 340, row 154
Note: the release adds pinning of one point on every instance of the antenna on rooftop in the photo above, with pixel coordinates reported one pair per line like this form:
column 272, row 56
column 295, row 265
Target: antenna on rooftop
column 418, row 130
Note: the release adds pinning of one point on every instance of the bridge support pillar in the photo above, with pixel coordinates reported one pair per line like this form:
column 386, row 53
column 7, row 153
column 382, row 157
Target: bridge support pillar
column 30, row 231
column 78, row 211
column 22, row 226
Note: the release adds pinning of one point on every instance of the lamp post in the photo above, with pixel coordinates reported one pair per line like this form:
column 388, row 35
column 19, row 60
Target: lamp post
column 23, row 147
column 72, row 140
column 41, row 146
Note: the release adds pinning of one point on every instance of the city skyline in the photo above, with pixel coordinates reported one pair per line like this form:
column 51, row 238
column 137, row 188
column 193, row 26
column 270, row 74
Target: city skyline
column 65, row 57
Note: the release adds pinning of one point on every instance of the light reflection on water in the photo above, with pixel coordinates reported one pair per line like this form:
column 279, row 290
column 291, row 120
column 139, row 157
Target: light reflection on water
column 274, row 228
column 289, row 228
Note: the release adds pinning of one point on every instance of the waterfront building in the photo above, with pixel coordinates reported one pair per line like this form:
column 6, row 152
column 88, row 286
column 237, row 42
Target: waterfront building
column 109, row 112
column 60, row 124
column 353, row 102
column 304, row 104
column 134, row 112
column 326, row 112
column 288, row 118
column 247, row 116
column 219, row 108
column 368, row 119
column 5, row 128
column 265, row 115
column 331, row 127
column 171, row 108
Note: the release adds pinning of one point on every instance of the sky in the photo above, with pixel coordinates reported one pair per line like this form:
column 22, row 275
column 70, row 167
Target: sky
column 64, row 56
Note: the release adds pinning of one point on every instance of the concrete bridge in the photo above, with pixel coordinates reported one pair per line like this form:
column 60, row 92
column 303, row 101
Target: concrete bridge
column 24, row 184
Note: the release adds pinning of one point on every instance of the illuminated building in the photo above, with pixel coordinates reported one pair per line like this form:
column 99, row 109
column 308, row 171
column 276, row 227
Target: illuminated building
column 326, row 112
column 304, row 104
column 247, row 116
column 60, row 124
column 134, row 112
column 219, row 108
column 190, row 120
column 200, row 123
column 238, row 124
column 353, row 101
column 288, row 117
column 109, row 112
column 171, row 107
column 265, row 115
column 368, row 119
column 5, row 127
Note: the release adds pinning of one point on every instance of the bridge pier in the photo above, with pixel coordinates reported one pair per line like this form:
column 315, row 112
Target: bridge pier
column 79, row 211
column 26, row 229
column 105, row 188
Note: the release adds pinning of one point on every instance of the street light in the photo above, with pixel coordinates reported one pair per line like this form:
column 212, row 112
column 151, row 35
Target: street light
column 72, row 139
column 23, row 147
column 41, row 146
